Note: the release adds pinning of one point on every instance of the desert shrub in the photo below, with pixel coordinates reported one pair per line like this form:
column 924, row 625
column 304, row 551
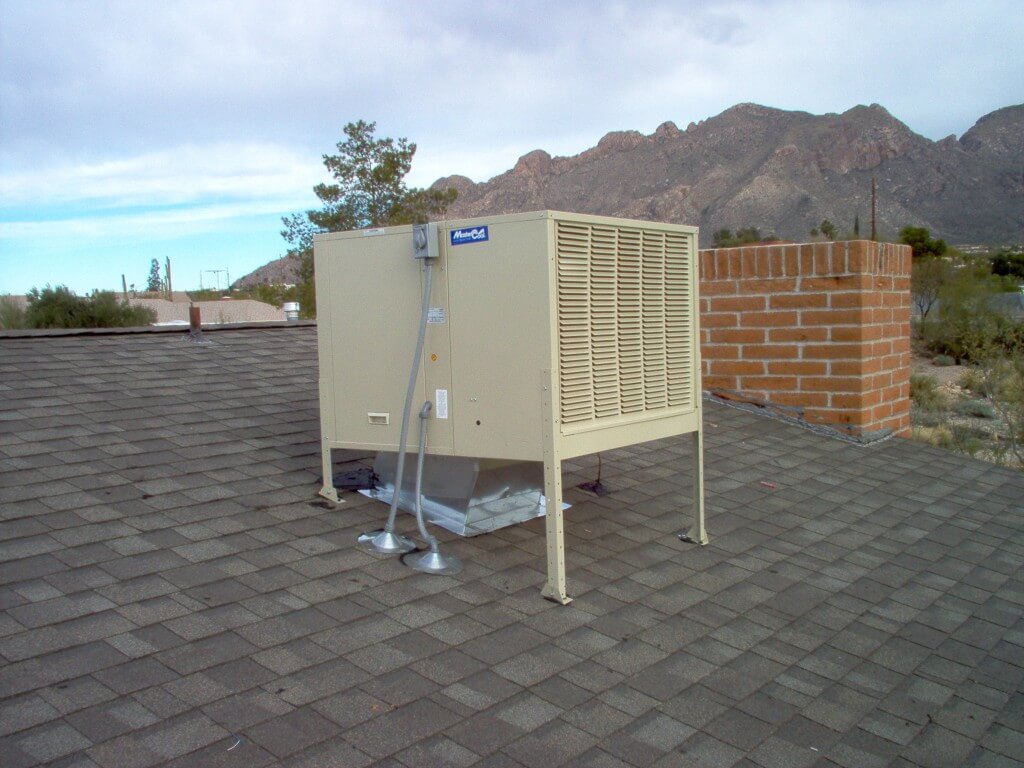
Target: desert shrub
column 967, row 439
column 939, row 435
column 979, row 409
column 943, row 361
column 12, row 315
column 969, row 326
column 924, row 392
column 60, row 308
column 1004, row 381
column 973, row 380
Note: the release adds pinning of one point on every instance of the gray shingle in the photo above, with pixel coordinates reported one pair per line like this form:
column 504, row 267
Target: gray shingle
column 169, row 576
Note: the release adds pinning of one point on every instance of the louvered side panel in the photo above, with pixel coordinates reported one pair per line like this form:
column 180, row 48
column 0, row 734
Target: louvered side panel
column 629, row 328
column 574, row 357
column 603, row 330
column 625, row 342
column 678, row 325
column 653, row 320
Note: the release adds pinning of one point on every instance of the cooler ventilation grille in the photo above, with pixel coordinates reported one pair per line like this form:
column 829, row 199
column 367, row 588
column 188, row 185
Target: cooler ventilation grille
column 625, row 342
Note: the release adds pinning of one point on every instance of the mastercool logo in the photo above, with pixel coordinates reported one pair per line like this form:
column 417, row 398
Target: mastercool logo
column 472, row 235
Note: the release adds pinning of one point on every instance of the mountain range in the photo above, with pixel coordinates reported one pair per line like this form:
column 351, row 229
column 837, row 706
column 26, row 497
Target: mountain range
column 780, row 171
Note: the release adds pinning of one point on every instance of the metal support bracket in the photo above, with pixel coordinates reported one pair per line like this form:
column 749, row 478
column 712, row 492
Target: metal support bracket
column 329, row 491
column 697, row 534
column 554, row 588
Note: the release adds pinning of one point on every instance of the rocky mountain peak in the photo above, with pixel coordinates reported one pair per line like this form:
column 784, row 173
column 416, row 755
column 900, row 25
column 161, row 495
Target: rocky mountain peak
column 783, row 172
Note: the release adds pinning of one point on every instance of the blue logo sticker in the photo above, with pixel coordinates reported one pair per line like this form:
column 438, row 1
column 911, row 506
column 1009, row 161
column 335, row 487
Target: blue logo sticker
column 472, row 235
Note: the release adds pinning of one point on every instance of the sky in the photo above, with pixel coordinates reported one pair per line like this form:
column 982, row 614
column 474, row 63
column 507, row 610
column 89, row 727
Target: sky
column 136, row 130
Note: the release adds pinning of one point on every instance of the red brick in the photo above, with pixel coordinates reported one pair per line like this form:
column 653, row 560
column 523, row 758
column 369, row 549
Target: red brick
column 878, row 380
column 839, row 260
column 737, row 303
column 770, row 351
column 719, row 382
column 893, row 394
column 750, row 263
column 798, row 300
column 791, row 256
column 768, row 382
column 836, row 351
column 770, row 286
column 881, row 315
column 856, row 401
column 822, row 262
column 719, row 320
column 798, row 367
column 880, row 412
column 890, row 362
column 857, row 256
column 846, row 299
column 830, row 384
column 856, row 333
column 718, row 288
column 837, row 283
column 720, row 352
column 737, row 335
column 737, row 367
column 862, row 367
column 802, row 399
column 798, row 334
column 833, row 317
column 768, row 319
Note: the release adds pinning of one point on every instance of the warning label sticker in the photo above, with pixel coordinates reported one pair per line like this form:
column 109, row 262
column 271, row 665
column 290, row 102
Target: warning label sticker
column 441, row 403
column 435, row 315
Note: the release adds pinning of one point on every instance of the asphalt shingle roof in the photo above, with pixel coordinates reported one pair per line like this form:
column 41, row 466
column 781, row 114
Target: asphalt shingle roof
column 173, row 591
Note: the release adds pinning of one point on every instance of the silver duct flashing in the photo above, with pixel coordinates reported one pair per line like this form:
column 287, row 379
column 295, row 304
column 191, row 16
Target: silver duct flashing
column 467, row 496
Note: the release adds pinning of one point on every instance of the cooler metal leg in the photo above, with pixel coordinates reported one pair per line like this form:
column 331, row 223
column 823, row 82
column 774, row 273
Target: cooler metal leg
column 697, row 533
column 554, row 589
column 328, row 491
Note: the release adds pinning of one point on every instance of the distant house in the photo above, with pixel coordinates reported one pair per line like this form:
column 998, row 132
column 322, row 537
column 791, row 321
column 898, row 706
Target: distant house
column 216, row 312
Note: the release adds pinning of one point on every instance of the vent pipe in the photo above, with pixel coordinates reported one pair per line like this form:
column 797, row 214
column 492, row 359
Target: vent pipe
column 195, row 323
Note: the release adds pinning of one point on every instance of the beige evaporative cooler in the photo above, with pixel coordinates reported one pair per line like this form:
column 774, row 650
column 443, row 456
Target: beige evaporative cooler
column 550, row 335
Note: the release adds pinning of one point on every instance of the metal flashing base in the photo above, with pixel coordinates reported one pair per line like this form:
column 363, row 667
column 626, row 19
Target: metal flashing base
column 429, row 561
column 385, row 543
column 464, row 495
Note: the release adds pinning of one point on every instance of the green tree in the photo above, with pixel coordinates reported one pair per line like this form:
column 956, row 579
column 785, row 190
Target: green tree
column 368, row 190
column 154, row 282
column 59, row 307
column 922, row 243
column 827, row 229
column 970, row 324
column 1008, row 264
column 12, row 314
column 724, row 238
column 928, row 276
column 856, row 225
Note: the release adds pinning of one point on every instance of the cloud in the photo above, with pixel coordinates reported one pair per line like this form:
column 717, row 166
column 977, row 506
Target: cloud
column 120, row 115
column 169, row 176
column 149, row 225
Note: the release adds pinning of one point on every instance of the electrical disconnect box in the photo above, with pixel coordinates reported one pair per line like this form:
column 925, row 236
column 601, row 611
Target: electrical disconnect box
column 549, row 335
